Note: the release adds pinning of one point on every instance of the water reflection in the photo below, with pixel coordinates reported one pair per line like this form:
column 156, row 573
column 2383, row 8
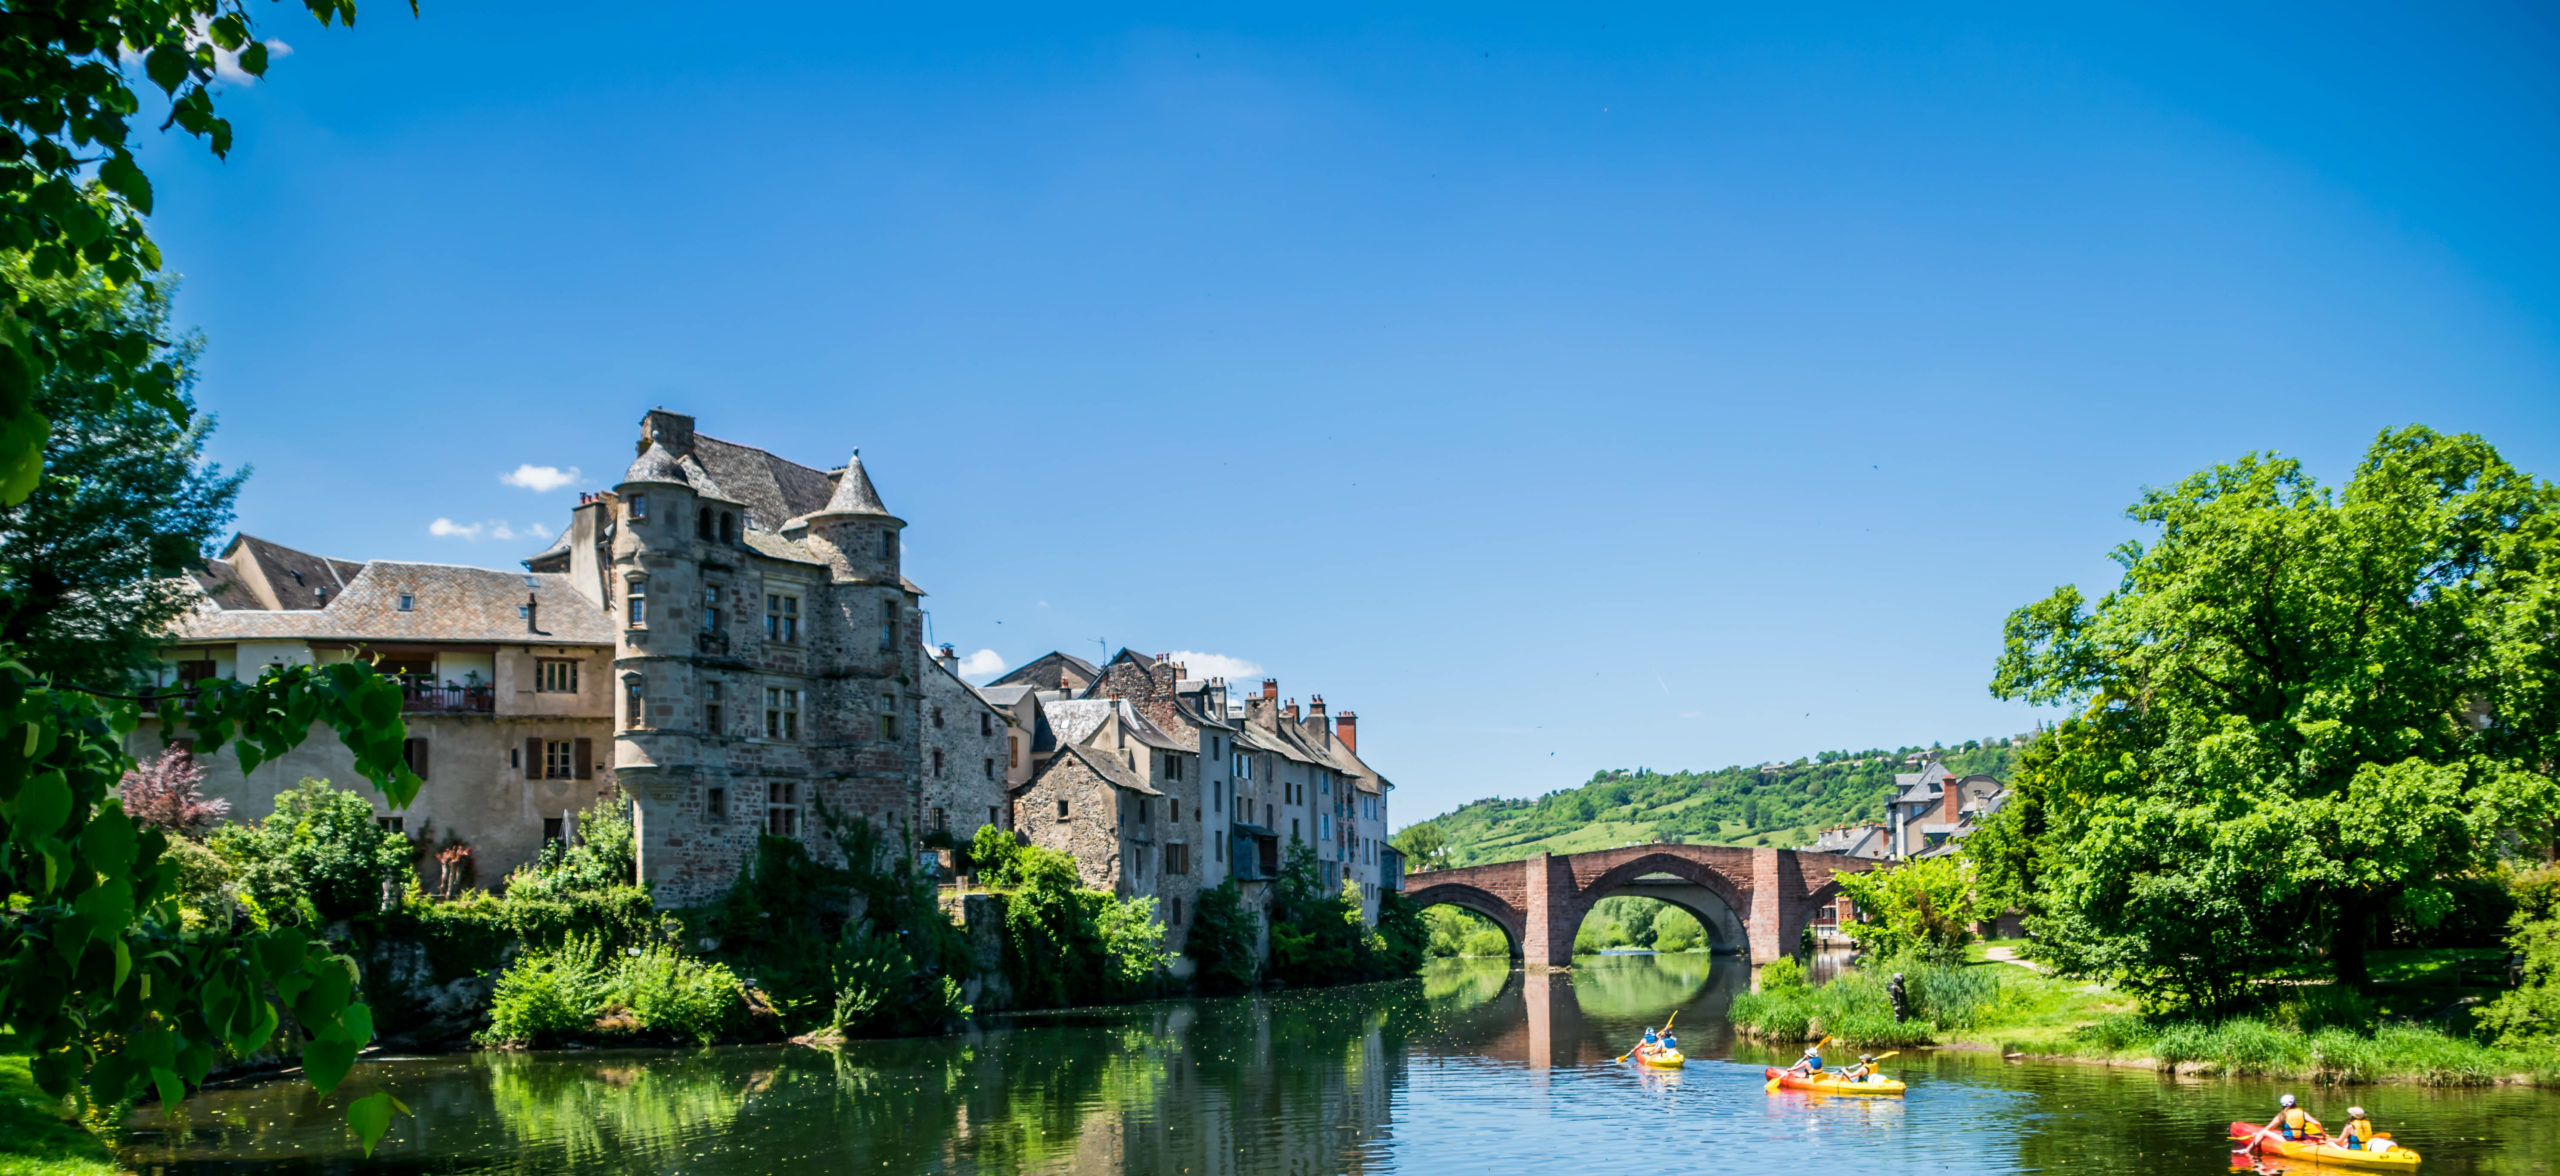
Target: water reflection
column 1474, row 1067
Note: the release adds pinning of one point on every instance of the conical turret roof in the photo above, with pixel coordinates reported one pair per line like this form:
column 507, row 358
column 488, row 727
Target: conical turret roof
column 655, row 464
column 854, row 493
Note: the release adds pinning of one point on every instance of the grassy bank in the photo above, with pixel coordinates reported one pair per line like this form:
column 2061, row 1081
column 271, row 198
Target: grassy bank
column 2314, row 1037
column 35, row 1138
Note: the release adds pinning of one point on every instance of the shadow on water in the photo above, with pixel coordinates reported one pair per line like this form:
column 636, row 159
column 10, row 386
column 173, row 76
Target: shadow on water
column 1476, row 1066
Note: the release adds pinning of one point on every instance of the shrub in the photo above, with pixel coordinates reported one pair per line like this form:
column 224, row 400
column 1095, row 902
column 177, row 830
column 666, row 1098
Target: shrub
column 582, row 990
column 322, row 847
column 603, row 857
column 1781, row 973
column 1487, row 944
column 2529, row 1017
column 165, row 793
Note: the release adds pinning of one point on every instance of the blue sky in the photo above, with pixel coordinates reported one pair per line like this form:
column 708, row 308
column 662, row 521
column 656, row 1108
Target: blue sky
column 1561, row 390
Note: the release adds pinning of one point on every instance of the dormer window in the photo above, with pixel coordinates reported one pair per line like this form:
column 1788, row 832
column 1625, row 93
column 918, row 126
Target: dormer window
column 639, row 507
column 408, row 603
column 728, row 527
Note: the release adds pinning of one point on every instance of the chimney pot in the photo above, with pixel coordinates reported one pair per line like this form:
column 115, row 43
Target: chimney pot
column 1346, row 727
column 1271, row 690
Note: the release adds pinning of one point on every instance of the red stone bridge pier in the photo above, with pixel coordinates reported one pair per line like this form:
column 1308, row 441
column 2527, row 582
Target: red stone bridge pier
column 1752, row 901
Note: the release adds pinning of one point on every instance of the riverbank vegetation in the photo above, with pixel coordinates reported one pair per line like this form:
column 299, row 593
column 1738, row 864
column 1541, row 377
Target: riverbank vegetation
column 1778, row 805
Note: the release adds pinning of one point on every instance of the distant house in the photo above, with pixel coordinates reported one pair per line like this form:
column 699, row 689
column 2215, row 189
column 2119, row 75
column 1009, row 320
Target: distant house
column 1869, row 841
column 1931, row 808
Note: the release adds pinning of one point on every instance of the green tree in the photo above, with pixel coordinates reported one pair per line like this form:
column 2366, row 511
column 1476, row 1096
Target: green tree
column 1926, row 906
column 2530, row 1015
column 1424, row 846
column 1222, row 939
column 2298, row 713
column 93, row 561
column 321, row 846
column 101, row 981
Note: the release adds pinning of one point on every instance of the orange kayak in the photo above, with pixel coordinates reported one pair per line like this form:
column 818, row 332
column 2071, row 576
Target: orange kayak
column 1833, row 1083
column 2381, row 1153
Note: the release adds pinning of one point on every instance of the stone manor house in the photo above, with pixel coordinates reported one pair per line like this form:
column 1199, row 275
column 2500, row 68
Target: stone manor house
column 726, row 637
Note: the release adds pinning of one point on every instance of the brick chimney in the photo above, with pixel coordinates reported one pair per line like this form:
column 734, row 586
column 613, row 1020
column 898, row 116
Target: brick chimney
column 949, row 657
column 1290, row 711
column 1271, row 690
column 1954, row 798
column 1346, row 727
column 1315, row 708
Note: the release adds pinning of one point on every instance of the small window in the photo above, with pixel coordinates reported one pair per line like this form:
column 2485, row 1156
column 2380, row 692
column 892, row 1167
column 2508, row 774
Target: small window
column 711, row 707
column 715, row 806
column 728, row 527
column 710, row 608
column 555, row 675
column 939, row 823
column 638, row 604
column 986, row 723
column 937, row 718
column 635, row 702
column 1177, row 860
column 413, row 752
column 889, row 717
column 782, row 808
column 888, row 545
column 1173, row 769
column 1013, row 757
column 991, row 767
column 408, row 603
column 782, row 618
column 991, row 814
column 937, row 766
column 559, row 759
column 1062, row 808
column 888, row 624
column 781, row 713
column 1142, row 810
column 702, row 523
column 192, row 672
column 393, row 824
column 1177, row 912
column 554, row 829
column 639, row 507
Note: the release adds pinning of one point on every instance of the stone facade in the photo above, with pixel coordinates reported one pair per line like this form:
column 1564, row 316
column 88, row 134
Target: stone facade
column 1752, row 901
column 964, row 747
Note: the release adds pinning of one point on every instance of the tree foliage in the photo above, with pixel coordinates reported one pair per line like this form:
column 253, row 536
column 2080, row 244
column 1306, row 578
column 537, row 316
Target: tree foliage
column 2299, row 713
column 1925, row 907
column 165, row 792
column 2530, row 1015
column 93, row 562
column 321, row 846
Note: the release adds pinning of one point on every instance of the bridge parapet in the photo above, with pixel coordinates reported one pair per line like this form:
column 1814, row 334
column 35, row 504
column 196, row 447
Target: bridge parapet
column 1540, row 901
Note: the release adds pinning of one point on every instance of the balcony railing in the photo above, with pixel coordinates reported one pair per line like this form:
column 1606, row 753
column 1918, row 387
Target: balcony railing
column 447, row 700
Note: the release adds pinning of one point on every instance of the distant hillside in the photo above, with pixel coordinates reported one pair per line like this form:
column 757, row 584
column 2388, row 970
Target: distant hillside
column 1778, row 805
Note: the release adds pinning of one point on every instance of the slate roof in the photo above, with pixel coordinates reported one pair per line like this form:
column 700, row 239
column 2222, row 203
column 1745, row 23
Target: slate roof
column 774, row 490
column 766, row 543
column 450, row 603
column 1004, row 695
column 655, row 465
column 1076, row 720
column 1103, row 763
column 1925, row 784
column 298, row 579
column 1044, row 672
column 854, row 494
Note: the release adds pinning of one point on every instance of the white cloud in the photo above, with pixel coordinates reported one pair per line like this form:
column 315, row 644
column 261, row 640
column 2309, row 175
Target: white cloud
column 1215, row 665
column 444, row 528
column 541, row 479
column 986, row 663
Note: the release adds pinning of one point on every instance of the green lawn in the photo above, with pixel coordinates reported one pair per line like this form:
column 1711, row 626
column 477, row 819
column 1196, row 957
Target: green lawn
column 35, row 1138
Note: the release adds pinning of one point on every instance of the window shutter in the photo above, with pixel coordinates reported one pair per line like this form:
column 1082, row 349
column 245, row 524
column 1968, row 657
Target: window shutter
column 586, row 758
column 533, row 759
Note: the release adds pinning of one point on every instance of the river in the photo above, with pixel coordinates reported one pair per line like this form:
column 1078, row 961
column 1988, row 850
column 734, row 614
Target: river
column 1476, row 1067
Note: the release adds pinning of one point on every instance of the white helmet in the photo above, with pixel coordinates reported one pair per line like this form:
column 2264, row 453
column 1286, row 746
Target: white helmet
column 2286, row 1101
column 2355, row 1112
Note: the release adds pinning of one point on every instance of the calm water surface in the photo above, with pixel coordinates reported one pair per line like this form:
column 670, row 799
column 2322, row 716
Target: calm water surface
column 1474, row 1068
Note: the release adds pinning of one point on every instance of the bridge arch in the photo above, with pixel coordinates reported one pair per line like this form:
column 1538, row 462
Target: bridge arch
column 1756, row 900
column 1496, row 909
column 1684, row 882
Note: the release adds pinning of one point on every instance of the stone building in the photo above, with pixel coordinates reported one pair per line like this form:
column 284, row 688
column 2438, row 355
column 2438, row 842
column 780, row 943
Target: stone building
column 768, row 660
column 1928, row 807
column 964, row 740
column 1103, row 756
column 506, row 682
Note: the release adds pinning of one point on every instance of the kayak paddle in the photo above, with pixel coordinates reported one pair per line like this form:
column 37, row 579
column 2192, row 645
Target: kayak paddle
column 1666, row 1028
column 1826, row 1040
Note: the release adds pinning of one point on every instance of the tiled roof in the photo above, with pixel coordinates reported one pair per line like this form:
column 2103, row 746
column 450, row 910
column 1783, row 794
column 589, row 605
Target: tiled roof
column 773, row 490
column 767, row 543
column 655, row 464
column 1105, row 765
column 448, row 603
column 1076, row 720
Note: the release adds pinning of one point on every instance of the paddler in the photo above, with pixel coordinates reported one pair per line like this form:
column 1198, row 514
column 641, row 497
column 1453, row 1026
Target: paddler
column 1866, row 1065
column 2358, row 1130
column 2292, row 1122
column 1811, row 1063
column 1652, row 1040
column 1670, row 1044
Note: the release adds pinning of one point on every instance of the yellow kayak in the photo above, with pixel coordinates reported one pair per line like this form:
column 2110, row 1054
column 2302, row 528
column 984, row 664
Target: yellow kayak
column 1668, row 1059
column 2320, row 1150
column 1835, row 1084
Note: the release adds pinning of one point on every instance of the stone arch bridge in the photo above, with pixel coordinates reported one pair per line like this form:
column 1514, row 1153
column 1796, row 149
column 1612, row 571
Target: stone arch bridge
column 1754, row 901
